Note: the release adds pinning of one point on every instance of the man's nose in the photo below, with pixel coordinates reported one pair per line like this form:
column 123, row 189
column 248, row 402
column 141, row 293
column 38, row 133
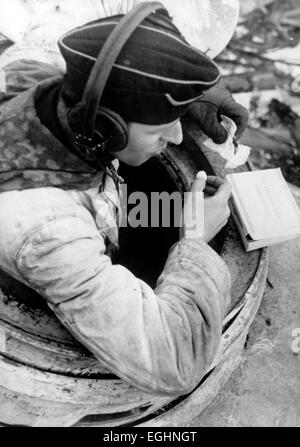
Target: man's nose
column 174, row 133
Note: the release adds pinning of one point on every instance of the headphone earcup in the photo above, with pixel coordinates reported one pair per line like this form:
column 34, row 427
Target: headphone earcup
column 111, row 128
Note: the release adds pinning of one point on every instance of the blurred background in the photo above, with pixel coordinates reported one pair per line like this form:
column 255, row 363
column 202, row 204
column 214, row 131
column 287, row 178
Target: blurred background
column 261, row 66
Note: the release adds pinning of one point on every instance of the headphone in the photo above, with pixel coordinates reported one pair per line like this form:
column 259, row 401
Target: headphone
column 97, row 130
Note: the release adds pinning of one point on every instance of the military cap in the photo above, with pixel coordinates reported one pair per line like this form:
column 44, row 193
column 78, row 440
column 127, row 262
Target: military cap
column 157, row 74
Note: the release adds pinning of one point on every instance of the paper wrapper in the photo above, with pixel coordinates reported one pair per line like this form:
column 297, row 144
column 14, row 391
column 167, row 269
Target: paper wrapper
column 235, row 155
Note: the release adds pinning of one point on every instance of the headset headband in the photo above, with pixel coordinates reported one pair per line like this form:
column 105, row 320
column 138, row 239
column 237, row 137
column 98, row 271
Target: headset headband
column 103, row 66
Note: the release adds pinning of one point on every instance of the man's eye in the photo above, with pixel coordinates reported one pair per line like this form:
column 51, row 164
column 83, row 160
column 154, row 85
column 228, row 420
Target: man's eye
column 154, row 133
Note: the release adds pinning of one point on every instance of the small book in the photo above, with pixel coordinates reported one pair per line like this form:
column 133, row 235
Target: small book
column 263, row 208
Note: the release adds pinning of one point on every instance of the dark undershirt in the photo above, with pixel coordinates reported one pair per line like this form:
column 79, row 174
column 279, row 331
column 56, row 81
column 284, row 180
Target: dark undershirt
column 46, row 99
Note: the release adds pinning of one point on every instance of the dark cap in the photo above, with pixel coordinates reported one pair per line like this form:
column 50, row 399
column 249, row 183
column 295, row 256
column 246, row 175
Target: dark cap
column 156, row 76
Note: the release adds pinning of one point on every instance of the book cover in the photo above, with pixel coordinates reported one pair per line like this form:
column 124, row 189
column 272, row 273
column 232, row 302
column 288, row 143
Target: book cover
column 263, row 208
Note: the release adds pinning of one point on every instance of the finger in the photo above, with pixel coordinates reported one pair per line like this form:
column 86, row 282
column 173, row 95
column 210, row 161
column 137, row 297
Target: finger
column 215, row 181
column 210, row 190
column 215, row 130
column 224, row 192
column 199, row 182
column 238, row 114
column 205, row 115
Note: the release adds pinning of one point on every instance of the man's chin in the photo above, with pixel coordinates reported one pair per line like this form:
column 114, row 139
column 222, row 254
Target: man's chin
column 137, row 163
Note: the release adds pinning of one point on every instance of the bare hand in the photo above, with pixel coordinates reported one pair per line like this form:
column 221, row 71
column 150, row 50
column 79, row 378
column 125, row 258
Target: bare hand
column 216, row 208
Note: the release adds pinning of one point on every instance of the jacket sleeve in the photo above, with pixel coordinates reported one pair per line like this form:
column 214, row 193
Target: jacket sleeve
column 161, row 341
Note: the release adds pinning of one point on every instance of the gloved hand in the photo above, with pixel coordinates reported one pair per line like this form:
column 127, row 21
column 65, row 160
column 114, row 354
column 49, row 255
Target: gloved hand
column 207, row 111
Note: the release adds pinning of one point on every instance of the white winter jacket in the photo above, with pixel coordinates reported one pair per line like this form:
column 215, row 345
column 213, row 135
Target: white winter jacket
column 54, row 240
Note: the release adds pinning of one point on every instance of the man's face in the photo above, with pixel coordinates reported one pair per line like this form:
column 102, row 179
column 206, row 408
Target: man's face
column 145, row 141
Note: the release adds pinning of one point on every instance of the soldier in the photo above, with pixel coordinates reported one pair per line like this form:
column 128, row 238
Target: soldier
column 57, row 203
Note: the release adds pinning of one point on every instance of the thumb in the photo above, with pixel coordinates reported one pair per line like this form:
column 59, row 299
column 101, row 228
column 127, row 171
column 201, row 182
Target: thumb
column 216, row 131
column 199, row 182
column 212, row 127
column 205, row 115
